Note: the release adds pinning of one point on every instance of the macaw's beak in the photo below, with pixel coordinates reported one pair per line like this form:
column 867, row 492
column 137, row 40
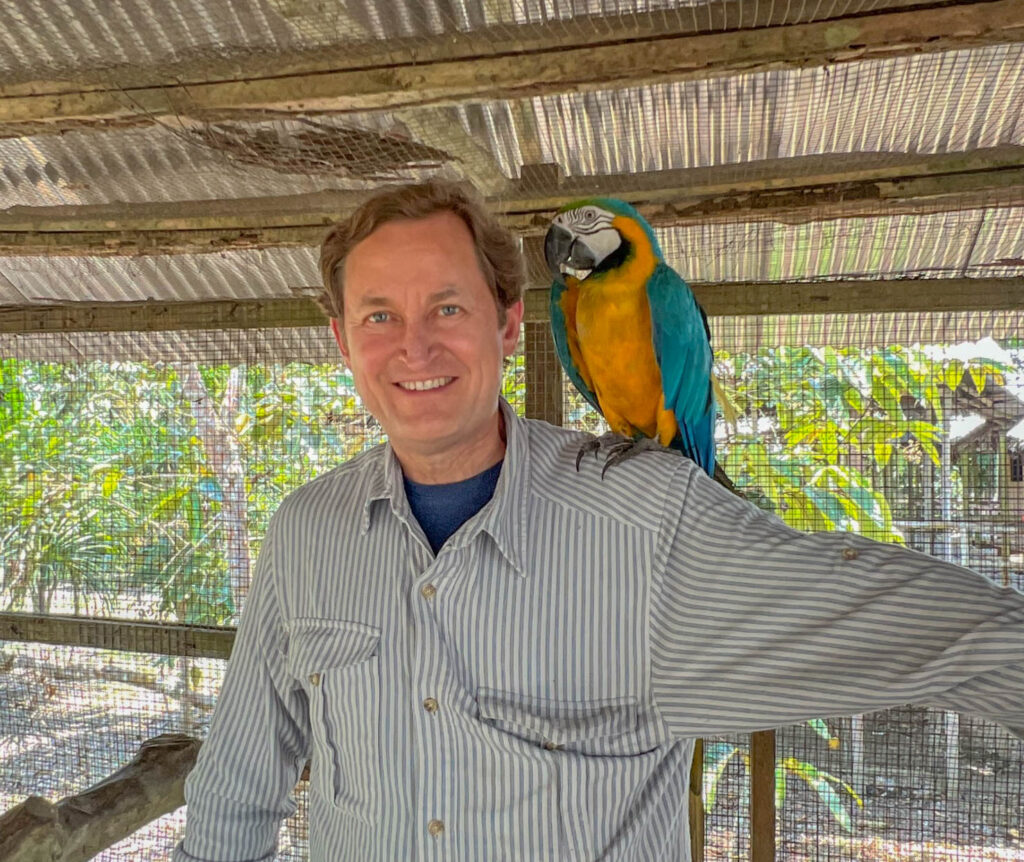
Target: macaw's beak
column 565, row 253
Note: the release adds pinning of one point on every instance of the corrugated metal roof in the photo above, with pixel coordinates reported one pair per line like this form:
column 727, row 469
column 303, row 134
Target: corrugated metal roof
column 190, row 161
column 967, row 243
column 979, row 243
column 911, row 104
column 57, row 38
column 253, row 274
column 951, row 102
column 903, row 105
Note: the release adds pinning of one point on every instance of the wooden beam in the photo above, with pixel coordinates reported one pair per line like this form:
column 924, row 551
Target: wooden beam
column 361, row 49
column 526, row 61
column 543, row 374
column 814, row 188
column 161, row 316
column 121, row 635
column 719, row 300
column 841, row 297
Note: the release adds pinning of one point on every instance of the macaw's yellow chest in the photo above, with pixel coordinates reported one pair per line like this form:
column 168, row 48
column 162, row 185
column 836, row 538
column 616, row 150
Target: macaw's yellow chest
column 613, row 324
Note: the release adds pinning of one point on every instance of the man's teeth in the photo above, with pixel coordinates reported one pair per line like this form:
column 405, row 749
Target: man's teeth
column 421, row 385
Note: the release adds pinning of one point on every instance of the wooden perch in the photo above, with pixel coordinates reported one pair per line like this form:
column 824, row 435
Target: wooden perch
column 78, row 827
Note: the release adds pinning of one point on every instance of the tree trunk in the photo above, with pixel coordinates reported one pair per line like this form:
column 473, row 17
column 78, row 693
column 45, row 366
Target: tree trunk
column 224, row 458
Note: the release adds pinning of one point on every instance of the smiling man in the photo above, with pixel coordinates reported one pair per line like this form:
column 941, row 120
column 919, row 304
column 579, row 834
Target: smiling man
column 486, row 654
column 426, row 338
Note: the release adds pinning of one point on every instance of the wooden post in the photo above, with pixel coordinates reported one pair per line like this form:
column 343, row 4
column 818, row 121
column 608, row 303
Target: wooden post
column 762, row 796
column 696, row 814
column 543, row 372
column 543, row 375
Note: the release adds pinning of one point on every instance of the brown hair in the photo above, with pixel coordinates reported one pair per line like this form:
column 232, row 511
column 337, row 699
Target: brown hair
column 497, row 250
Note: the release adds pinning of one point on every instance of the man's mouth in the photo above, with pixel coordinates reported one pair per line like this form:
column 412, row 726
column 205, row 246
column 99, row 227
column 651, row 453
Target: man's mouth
column 424, row 385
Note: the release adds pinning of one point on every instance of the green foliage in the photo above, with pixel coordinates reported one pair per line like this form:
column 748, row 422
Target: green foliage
column 807, row 429
column 114, row 495
column 835, row 793
column 117, row 499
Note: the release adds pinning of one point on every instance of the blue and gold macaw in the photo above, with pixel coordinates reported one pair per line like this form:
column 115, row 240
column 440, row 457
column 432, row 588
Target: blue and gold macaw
column 629, row 331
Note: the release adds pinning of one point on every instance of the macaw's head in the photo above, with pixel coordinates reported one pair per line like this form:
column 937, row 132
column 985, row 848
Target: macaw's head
column 596, row 235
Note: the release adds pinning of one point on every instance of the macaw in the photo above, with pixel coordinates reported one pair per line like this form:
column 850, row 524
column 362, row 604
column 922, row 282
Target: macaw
column 629, row 332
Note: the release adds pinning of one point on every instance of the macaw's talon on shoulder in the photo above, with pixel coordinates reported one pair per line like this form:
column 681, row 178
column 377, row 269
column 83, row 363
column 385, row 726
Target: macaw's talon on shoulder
column 592, row 445
column 624, row 448
column 595, row 444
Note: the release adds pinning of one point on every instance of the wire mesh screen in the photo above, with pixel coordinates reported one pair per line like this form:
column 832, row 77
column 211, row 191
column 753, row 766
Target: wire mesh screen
column 208, row 143
column 142, row 490
column 918, row 444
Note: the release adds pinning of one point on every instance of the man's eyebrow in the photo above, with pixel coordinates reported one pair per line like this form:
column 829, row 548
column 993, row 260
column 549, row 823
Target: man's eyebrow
column 382, row 301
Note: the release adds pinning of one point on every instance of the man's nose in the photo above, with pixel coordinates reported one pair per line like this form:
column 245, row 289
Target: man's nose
column 417, row 340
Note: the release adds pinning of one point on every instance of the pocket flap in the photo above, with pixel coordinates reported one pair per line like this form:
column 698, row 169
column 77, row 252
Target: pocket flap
column 559, row 722
column 318, row 645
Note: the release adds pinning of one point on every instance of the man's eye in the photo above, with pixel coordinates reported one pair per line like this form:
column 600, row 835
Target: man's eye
column 449, row 310
column 377, row 317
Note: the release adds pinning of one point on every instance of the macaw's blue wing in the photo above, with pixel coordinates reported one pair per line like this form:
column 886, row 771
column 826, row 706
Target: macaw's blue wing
column 682, row 347
column 560, row 333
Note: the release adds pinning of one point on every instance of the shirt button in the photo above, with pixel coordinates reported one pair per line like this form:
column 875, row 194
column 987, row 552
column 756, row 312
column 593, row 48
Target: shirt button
column 430, row 705
column 435, row 828
column 850, row 554
column 551, row 746
column 428, row 591
column 314, row 679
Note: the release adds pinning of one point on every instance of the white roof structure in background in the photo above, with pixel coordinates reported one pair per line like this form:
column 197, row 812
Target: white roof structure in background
column 195, row 151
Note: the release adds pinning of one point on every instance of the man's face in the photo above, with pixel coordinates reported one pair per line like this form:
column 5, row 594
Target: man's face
column 422, row 338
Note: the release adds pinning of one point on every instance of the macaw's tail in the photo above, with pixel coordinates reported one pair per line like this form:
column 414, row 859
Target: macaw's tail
column 697, row 442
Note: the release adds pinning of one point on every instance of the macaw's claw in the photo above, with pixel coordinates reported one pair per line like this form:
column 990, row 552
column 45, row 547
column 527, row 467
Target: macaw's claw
column 624, row 448
column 592, row 445
column 595, row 444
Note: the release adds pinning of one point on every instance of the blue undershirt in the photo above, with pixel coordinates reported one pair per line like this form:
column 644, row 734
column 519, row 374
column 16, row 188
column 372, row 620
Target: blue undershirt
column 442, row 509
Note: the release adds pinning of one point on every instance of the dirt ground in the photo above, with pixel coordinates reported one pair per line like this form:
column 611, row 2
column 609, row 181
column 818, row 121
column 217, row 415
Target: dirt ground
column 69, row 717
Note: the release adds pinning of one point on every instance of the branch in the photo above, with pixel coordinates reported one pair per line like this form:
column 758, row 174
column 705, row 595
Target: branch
column 78, row 827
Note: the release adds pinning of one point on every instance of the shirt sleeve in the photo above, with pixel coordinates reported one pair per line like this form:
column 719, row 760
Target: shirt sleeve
column 241, row 787
column 757, row 625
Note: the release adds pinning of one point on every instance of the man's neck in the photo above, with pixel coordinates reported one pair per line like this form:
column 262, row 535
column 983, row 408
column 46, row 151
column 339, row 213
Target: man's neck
column 454, row 465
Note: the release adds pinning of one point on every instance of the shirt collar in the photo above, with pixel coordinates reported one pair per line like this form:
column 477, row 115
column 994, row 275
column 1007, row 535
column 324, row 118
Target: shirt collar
column 503, row 518
column 385, row 483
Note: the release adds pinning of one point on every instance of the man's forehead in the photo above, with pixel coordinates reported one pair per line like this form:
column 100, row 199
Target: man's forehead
column 372, row 300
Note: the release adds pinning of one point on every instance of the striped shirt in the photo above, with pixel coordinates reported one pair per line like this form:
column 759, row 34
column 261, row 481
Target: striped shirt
column 530, row 693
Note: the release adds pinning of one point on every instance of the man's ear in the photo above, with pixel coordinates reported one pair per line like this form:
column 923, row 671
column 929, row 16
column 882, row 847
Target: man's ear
column 339, row 336
column 513, row 323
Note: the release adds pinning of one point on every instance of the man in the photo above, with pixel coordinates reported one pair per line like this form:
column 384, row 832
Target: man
column 489, row 656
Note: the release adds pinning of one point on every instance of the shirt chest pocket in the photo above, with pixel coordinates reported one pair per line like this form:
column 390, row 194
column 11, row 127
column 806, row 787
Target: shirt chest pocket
column 337, row 663
column 603, row 727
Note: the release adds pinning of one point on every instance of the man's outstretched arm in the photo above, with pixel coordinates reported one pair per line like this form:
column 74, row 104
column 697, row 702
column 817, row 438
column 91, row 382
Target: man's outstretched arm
column 757, row 625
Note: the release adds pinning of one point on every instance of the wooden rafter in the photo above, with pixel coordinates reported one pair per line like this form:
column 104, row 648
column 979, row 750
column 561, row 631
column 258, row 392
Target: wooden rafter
column 719, row 300
column 522, row 61
column 812, row 188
